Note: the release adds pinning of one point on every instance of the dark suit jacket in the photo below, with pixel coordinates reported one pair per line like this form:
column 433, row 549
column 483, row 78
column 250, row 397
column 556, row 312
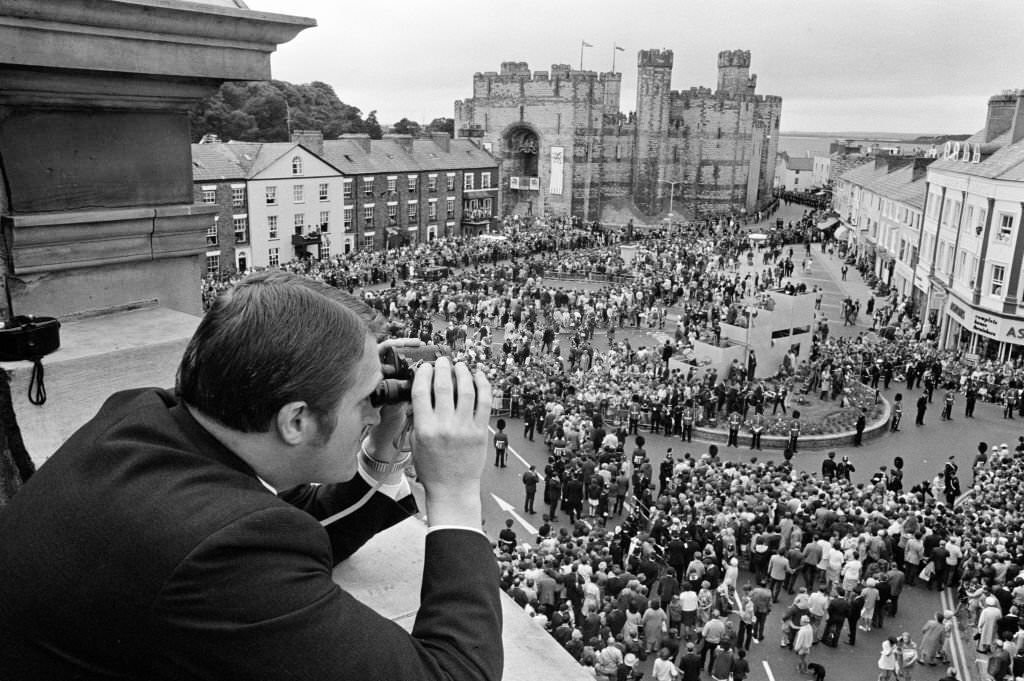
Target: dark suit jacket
column 144, row 549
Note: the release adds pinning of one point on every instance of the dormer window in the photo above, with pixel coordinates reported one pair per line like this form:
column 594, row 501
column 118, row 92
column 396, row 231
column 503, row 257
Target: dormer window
column 296, row 165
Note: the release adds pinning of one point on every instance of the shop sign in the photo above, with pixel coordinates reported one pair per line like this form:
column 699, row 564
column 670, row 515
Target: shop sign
column 957, row 310
column 988, row 326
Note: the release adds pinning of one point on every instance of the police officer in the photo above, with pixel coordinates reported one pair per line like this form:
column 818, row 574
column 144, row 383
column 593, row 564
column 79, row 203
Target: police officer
column 735, row 419
column 656, row 411
column 756, row 428
column 794, row 431
column 971, row 398
column 1009, row 402
column 688, row 419
column 634, row 416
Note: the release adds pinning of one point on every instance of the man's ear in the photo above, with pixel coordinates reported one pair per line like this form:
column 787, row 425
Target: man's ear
column 295, row 424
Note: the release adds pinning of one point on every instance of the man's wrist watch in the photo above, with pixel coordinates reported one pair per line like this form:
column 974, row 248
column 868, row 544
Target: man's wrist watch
column 378, row 466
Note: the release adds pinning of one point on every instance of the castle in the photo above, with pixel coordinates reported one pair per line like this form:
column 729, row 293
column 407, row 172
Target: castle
column 565, row 148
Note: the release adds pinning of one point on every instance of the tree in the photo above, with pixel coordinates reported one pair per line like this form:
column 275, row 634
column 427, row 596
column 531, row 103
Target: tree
column 267, row 111
column 442, row 125
column 372, row 127
column 407, row 127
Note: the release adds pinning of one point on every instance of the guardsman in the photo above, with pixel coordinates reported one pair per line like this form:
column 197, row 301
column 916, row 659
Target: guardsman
column 517, row 396
column 897, row 412
column 971, row 399
column 947, row 406
column 735, row 419
column 756, row 428
column 794, row 431
column 656, row 412
column 688, row 419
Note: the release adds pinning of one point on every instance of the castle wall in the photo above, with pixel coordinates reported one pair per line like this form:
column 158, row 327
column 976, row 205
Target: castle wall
column 704, row 152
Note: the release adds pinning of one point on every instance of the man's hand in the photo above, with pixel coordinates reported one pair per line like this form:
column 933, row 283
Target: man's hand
column 384, row 438
column 452, row 409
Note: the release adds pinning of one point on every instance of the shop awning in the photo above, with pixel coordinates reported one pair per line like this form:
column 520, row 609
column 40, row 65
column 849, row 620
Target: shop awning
column 841, row 233
column 828, row 224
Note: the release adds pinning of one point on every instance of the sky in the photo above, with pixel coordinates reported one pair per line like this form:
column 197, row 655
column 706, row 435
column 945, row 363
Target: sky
column 909, row 66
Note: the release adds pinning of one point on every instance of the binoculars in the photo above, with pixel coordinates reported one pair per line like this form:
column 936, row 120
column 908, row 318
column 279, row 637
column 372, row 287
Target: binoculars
column 399, row 367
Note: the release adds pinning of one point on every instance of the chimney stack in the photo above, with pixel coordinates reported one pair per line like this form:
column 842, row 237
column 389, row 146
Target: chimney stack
column 442, row 139
column 311, row 139
column 360, row 138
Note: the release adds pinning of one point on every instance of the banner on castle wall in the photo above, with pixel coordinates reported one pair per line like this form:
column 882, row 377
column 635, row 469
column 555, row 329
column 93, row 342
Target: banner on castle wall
column 557, row 161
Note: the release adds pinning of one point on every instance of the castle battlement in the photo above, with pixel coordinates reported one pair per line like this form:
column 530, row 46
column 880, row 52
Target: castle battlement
column 735, row 58
column 519, row 72
column 661, row 58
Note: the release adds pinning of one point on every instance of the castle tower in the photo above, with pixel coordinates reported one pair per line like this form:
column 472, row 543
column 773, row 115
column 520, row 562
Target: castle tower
column 653, row 107
column 734, row 73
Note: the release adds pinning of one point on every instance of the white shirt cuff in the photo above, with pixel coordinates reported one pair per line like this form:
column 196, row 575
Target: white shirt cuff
column 457, row 527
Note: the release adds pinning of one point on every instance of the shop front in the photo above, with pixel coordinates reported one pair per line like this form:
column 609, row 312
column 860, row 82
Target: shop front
column 988, row 335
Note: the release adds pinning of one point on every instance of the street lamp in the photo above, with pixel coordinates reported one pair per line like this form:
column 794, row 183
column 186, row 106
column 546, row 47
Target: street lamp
column 671, row 194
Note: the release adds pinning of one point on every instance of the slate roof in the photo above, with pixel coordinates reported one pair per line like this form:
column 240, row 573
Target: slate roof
column 1007, row 163
column 393, row 156
column 901, row 186
column 215, row 163
column 241, row 160
column 800, row 163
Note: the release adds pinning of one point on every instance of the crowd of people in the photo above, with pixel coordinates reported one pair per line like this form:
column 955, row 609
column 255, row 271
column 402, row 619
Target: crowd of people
column 639, row 558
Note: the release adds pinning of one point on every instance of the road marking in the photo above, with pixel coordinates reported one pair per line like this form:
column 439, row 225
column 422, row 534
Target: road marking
column 947, row 600
column 511, row 510
column 768, row 670
column 516, row 454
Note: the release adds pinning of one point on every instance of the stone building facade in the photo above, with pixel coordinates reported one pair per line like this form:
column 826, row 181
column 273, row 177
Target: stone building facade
column 565, row 148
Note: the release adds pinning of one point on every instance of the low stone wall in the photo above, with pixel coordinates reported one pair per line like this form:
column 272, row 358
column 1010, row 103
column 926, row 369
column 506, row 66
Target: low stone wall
column 871, row 431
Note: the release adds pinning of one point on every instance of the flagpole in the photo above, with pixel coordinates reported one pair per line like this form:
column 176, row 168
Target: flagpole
column 582, row 43
column 615, row 49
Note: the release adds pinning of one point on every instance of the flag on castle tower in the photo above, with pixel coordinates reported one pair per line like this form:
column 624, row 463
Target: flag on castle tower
column 586, row 44
column 620, row 49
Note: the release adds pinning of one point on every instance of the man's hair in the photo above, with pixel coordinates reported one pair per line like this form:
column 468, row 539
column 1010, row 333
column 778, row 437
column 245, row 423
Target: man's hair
column 272, row 339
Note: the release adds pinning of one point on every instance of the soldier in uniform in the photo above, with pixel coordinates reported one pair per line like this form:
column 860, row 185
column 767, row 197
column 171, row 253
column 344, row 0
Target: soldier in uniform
column 688, row 418
column 1009, row 402
column 517, row 395
column 947, row 406
column 735, row 419
column 530, row 416
column 897, row 413
column 794, row 431
column 756, row 428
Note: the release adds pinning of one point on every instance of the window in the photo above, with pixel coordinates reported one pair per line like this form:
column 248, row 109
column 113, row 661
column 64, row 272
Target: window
column 271, row 193
column 368, row 216
column 347, row 219
column 241, row 225
column 367, row 241
column 1005, row 227
column 450, row 207
column 213, row 264
column 451, row 182
column 325, row 250
column 273, row 257
column 467, row 181
column 298, row 193
column 271, row 226
column 296, row 165
column 413, row 212
column 485, row 181
column 299, row 223
column 432, row 210
column 367, row 186
column 392, row 213
column 998, row 273
column 432, row 183
column 325, row 220
column 487, row 206
column 431, row 232
column 211, row 232
column 237, row 197
column 392, row 184
column 323, row 191
column 982, row 218
column 346, row 189
column 413, row 184
column 209, row 194
column 945, row 212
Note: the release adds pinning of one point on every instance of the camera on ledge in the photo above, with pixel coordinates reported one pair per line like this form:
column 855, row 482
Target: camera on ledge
column 399, row 367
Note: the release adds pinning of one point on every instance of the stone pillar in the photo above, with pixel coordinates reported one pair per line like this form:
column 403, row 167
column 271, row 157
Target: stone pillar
column 96, row 206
